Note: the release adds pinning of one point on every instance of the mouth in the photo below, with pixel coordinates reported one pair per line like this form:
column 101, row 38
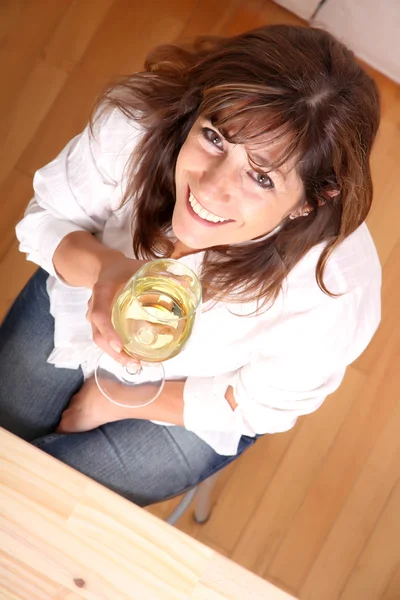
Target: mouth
column 202, row 215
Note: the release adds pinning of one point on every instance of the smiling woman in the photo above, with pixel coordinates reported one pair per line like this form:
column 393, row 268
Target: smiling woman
column 246, row 158
column 286, row 107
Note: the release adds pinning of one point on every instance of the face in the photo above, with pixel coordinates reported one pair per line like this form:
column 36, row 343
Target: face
column 221, row 199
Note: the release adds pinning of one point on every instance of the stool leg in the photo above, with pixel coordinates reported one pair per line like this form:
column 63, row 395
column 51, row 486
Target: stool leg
column 182, row 506
column 203, row 507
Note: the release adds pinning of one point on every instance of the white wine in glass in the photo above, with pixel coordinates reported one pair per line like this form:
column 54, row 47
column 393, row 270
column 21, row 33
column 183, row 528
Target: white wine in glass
column 154, row 315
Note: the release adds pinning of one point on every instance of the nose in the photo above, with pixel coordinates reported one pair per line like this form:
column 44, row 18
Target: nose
column 216, row 183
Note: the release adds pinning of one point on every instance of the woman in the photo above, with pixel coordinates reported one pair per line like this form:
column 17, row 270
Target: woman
column 248, row 159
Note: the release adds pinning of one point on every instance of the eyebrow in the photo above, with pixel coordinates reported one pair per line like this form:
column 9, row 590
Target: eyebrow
column 259, row 159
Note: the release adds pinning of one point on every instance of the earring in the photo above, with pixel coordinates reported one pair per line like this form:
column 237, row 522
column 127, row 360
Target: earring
column 292, row 217
column 306, row 213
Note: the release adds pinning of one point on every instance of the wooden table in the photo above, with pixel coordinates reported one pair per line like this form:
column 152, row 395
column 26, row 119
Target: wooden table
column 65, row 537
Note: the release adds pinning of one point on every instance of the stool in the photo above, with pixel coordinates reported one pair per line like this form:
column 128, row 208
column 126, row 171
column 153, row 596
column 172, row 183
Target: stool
column 203, row 507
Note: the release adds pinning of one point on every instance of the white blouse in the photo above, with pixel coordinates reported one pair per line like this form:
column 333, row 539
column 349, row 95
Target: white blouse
column 281, row 363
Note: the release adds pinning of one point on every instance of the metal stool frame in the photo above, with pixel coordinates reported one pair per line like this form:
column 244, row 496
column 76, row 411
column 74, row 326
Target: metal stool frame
column 203, row 507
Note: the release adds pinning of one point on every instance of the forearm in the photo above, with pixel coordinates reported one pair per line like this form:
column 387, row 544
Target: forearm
column 79, row 258
column 89, row 409
column 168, row 407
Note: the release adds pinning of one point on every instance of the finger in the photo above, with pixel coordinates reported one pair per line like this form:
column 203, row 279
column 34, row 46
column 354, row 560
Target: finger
column 102, row 322
column 120, row 356
column 100, row 314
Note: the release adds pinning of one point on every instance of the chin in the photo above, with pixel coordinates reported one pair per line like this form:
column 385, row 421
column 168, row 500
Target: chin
column 187, row 238
column 185, row 235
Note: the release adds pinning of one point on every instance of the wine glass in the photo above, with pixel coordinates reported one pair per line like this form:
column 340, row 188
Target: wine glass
column 154, row 315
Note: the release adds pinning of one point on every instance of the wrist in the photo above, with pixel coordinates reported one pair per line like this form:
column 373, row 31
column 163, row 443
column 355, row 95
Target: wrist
column 102, row 261
column 120, row 265
column 80, row 258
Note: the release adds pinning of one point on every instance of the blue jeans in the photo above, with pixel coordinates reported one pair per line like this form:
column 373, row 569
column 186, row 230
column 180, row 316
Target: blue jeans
column 138, row 459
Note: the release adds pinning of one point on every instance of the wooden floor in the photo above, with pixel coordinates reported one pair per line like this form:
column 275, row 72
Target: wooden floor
column 315, row 510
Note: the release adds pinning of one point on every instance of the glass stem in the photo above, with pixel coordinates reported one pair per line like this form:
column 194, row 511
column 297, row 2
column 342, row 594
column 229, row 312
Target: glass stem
column 134, row 369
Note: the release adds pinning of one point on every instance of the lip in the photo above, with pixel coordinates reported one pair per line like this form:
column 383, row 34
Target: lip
column 196, row 217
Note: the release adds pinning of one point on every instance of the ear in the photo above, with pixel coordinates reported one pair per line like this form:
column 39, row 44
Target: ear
column 305, row 210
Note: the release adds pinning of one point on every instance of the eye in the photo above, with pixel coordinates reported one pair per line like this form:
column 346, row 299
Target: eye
column 212, row 137
column 262, row 180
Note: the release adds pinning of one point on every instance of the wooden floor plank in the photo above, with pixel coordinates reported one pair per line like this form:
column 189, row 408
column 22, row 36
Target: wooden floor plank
column 208, row 17
column 333, row 482
column 246, row 16
column 372, row 408
column 392, row 591
column 100, row 63
column 14, row 273
column 384, row 164
column 28, row 30
column 131, row 30
column 66, row 118
column 15, row 193
column 390, row 298
column 254, row 471
column 374, row 569
column 343, row 542
column 74, row 32
column 284, row 495
column 37, row 96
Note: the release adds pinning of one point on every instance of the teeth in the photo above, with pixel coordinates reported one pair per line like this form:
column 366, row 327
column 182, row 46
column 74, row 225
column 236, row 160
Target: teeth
column 203, row 213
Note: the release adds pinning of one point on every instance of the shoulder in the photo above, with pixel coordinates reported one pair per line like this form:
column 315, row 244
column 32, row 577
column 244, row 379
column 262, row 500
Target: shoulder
column 115, row 137
column 350, row 319
column 354, row 264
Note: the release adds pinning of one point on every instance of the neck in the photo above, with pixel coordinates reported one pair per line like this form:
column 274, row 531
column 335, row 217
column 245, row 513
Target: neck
column 180, row 249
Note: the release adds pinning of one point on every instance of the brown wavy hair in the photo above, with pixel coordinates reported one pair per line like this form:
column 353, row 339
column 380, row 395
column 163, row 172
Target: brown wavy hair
column 297, row 84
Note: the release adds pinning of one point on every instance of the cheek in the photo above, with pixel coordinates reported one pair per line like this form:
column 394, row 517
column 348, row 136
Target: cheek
column 260, row 216
column 191, row 158
column 255, row 213
column 184, row 154
column 180, row 163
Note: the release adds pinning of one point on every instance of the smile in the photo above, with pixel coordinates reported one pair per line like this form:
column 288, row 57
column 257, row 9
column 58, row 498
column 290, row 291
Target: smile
column 203, row 213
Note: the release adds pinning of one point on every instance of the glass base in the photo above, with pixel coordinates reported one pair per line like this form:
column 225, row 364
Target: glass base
column 128, row 386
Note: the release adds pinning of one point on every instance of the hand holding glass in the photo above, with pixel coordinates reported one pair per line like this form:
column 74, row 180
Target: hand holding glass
column 154, row 315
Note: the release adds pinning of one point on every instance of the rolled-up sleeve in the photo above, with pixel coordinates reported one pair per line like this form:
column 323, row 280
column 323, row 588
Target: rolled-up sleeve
column 75, row 192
